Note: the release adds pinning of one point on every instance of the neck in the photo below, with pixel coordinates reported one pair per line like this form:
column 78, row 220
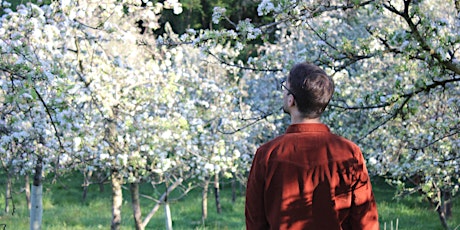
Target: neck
column 296, row 118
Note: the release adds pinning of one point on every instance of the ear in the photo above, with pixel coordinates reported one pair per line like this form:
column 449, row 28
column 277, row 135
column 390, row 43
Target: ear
column 291, row 100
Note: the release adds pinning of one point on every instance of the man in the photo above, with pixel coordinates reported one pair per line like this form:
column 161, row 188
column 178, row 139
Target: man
column 309, row 178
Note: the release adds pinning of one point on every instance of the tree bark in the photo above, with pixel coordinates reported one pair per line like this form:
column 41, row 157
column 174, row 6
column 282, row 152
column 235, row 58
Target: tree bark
column 134, row 189
column 233, row 188
column 27, row 189
column 162, row 199
column 116, row 176
column 8, row 195
column 86, row 182
column 117, row 200
column 440, row 209
column 101, row 179
column 217, row 193
column 36, row 211
column 447, row 206
column 204, row 200
column 168, row 220
column 442, row 217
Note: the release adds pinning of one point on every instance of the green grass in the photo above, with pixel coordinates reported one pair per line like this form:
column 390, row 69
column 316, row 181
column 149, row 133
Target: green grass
column 64, row 209
column 411, row 212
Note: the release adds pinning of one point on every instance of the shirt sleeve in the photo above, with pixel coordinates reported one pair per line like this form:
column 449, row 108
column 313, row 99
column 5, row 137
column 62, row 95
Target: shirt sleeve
column 254, row 208
column 364, row 208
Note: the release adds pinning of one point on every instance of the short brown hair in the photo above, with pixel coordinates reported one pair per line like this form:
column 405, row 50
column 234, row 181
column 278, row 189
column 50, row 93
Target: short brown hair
column 312, row 87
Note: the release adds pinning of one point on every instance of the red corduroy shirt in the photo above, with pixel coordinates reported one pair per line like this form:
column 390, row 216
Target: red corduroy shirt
column 309, row 178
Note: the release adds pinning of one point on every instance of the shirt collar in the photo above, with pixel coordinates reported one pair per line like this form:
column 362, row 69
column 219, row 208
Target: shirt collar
column 307, row 127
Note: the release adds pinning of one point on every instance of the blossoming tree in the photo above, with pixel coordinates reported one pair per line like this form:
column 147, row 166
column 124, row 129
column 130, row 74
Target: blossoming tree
column 84, row 88
column 396, row 68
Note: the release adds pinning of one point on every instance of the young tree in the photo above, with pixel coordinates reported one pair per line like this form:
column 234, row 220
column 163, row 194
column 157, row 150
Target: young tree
column 35, row 113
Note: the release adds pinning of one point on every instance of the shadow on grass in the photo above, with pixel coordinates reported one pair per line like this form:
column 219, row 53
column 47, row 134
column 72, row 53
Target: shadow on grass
column 65, row 208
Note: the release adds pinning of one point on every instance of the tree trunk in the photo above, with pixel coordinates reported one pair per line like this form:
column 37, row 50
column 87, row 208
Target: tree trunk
column 442, row 217
column 36, row 211
column 447, row 203
column 168, row 220
column 162, row 199
column 101, row 179
column 217, row 193
column 27, row 189
column 233, row 188
column 134, row 189
column 441, row 209
column 86, row 181
column 117, row 200
column 116, row 176
column 204, row 200
column 8, row 194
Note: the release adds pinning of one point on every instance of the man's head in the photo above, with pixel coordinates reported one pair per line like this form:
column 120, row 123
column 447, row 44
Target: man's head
column 311, row 89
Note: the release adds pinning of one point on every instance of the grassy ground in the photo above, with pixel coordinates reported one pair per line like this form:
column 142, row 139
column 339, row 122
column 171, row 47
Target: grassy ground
column 64, row 209
column 411, row 213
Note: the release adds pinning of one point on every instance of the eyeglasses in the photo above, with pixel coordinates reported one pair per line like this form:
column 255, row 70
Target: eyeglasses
column 283, row 86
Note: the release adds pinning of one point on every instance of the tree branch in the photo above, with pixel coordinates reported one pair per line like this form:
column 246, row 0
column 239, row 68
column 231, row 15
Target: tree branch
column 255, row 120
column 448, row 64
column 243, row 67
column 427, row 89
column 455, row 132
column 162, row 198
